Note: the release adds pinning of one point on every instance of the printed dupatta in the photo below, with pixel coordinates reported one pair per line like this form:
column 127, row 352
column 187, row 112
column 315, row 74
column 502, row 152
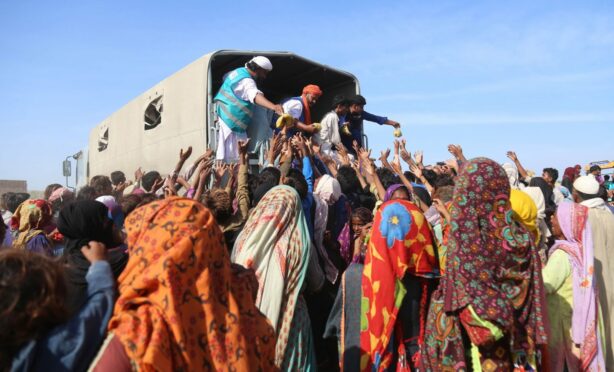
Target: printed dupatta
column 401, row 242
column 578, row 244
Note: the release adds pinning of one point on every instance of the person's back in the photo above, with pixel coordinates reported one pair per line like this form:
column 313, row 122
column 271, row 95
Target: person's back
column 601, row 219
column 38, row 332
column 602, row 226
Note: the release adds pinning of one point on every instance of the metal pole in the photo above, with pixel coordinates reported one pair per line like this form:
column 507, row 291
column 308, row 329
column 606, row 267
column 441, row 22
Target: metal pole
column 69, row 156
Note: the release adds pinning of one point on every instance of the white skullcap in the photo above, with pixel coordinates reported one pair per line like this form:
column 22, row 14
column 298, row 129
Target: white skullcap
column 587, row 185
column 263, row 62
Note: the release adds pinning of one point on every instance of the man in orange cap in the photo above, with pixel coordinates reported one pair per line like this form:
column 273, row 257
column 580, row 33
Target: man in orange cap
column 300, row 109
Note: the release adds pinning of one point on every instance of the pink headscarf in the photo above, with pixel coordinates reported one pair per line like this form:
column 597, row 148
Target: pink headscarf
column 60, row 193
column 578, row 244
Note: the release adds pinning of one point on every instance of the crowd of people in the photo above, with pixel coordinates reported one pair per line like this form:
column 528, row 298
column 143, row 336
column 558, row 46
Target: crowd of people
column 325, row 259
column 316, row 262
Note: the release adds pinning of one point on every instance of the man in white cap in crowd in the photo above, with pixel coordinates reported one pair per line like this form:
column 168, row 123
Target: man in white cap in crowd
column 586, row 192
column 235, row 102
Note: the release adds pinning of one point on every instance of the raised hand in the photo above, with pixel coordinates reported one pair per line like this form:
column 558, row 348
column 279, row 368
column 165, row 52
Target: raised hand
column 138, row 174
column 456, row 151
column 343, row 154
column 219, row 170
column 94, row 251
column 364, row 155
column 364, row 230
column 169, row 191
column 355, row 146
column 419, row 156
column 298, row 142
column 273, row 142
column 156, row 186
column 384, row 156
column 397, row 146
column 416, row 170
column 396, row 167
column 315, row 148
column 242, row 147
column 120, row 187
column 208, row 153
column 278, row 109
column 512, row 156
column 405, row 155
column 309, row 146
column 329, row 162
column 205, row 172
column 286, row 151
column 184, row 155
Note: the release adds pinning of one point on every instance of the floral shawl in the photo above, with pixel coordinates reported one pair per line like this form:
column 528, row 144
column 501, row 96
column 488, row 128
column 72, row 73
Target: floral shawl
column 401, row 242
column 493, row 273
column 275, row 243
column 578, row 244
column 181, row 305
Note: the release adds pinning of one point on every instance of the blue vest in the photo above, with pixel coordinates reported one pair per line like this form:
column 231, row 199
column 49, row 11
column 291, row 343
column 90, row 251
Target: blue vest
column 234, row 111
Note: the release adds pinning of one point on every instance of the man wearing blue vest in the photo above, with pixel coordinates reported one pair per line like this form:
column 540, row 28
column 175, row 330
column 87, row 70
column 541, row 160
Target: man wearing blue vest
column 355, row 118
column 300, row 109
column 235, row 102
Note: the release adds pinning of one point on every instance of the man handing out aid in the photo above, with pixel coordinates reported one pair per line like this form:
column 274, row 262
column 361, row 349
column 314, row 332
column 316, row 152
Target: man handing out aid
column 235, row 102
column 300, row 109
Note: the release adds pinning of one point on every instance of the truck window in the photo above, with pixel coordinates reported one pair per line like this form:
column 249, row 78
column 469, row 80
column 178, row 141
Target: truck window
column 153, row 113
column 103, row 139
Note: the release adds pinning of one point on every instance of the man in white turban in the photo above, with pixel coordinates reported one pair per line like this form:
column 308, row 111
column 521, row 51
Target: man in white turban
column 585, row 192
column 234, row 105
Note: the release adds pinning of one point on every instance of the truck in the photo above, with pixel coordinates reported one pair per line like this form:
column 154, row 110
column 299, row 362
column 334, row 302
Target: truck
column 179, row 111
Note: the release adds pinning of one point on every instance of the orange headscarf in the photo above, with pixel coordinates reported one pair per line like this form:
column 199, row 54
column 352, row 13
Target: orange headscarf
column 314, row 90
column 181, row 306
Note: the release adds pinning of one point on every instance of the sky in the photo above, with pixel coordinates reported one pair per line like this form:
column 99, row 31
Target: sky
column 536, row 77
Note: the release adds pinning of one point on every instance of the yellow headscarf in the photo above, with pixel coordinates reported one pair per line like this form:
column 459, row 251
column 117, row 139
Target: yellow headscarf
column 525, row 211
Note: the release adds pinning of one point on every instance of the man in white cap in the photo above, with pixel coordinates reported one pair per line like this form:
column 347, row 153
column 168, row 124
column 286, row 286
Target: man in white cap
column 235, row 102
column 586, row 192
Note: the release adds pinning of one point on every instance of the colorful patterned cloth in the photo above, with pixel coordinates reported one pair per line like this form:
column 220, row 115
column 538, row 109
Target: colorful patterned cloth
column 401, row 242
column 29, row 220
column 492, row 266
column 578, row 244
column 275, row 243
column 181, row 306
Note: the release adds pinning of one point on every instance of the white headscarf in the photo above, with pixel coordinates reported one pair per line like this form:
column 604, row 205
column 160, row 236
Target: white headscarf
column 540, row 202
column 538, row 197
column 512, row 175
column 328, row 189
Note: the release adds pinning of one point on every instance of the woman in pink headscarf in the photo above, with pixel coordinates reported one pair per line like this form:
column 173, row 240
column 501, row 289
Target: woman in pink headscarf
column 572, row 294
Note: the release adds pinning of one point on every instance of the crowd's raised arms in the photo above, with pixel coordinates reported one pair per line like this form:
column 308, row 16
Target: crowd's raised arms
column 319, row 257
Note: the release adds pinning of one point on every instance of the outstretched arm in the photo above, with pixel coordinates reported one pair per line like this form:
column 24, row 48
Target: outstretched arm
column 521, row 171
column 261, row 100
column 371, row 171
